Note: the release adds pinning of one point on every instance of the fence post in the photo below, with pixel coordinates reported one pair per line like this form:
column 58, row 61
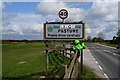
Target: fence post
column 46, row 68
column 82, row 61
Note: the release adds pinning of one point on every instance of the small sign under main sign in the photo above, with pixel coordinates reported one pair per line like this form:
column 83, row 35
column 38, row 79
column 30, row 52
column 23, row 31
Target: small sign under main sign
column 64, row 31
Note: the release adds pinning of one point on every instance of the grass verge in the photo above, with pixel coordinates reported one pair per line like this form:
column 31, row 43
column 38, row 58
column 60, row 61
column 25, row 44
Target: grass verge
column 22, row 60
column 87, row 74
column 108, row 44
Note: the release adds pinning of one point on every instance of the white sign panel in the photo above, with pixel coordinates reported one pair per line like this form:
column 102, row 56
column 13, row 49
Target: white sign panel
column 63, row 31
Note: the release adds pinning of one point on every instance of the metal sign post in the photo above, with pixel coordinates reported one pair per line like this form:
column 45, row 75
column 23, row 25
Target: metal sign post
column 63, row 20
column 46, row 43
column 82, row 61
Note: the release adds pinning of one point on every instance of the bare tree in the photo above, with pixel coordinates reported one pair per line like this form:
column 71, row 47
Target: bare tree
column 89, row 38
column 101, row 35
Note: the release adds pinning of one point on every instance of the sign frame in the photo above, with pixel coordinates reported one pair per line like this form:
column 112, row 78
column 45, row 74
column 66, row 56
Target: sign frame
column 83, row 34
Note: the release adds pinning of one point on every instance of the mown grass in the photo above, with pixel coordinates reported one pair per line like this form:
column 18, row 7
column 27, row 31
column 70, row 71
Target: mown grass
column 31, row 54
column 87, row 74
column 108, row 44
column 34, row 57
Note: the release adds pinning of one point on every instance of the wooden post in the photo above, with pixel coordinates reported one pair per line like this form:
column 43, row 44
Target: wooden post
column 82, row 61
column 46, row 68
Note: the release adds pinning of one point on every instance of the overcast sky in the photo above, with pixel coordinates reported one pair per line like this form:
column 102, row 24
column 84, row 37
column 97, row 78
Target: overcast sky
column 23, row 20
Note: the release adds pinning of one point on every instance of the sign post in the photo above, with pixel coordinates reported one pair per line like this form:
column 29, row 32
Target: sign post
column 46, row 68
column 82, row 61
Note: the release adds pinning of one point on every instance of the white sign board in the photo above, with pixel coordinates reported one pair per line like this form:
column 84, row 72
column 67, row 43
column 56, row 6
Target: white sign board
column 64, row 31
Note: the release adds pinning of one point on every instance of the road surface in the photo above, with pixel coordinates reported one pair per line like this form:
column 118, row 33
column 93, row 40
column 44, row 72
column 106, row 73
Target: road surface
column 107, row 58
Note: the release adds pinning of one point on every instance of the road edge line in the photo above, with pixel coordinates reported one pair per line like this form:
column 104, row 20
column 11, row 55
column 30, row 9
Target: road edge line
column 106, row 75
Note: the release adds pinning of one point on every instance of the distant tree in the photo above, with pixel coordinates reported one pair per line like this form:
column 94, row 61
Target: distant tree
column 94, row 39
column 114, row 37
column 24, row 40
column 101, row 35
column 114, row 40
column 89, row 38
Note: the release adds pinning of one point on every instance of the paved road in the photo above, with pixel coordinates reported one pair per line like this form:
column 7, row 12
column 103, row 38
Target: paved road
column 107, row 58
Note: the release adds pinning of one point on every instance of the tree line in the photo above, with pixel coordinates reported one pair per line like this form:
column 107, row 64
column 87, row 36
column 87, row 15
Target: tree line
column 101, row 38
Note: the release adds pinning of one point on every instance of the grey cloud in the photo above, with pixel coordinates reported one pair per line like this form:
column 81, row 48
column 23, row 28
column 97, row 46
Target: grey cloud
column 7, row 17
column 102, row 11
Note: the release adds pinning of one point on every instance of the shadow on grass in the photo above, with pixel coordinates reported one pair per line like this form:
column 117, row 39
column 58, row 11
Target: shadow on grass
column 25, row 77
column 55, row 60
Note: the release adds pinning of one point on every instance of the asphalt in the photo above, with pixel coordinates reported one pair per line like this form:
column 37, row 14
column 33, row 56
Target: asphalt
column 107, row 58
column 92, row 64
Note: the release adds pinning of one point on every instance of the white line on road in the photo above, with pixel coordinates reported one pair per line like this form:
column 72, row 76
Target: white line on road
column 110, row 52
column 96, row 62
column 94, row 58
column 100, row 67
column 114, row 54
column 98, row 50
column 106, row 75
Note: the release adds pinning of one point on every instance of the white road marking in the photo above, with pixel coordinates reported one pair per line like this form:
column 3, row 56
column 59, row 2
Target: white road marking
column 98, row 50
column 110, row 52
column 96, row 62
column 92, row 55
column 94, row 58
column 100, row 67
column 106, row 75
column 114, row 54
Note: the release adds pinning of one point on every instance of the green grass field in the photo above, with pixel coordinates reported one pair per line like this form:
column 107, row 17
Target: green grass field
column 31, row 54
column 32, row 57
